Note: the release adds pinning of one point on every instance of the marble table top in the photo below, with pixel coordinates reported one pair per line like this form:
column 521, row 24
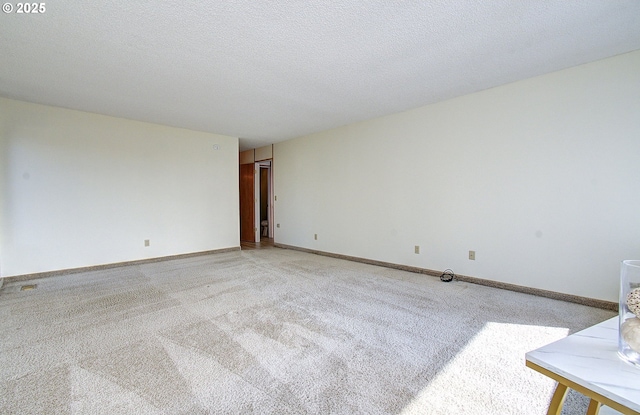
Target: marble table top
column 590, row 359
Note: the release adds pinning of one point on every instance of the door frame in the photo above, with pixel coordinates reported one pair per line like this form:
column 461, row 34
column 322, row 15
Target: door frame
column 256, row 201
column 267, row 165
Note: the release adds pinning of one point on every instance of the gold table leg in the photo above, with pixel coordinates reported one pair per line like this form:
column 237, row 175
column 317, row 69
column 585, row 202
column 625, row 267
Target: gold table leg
column 555, row 407
column 597, row 400
column 594, row 407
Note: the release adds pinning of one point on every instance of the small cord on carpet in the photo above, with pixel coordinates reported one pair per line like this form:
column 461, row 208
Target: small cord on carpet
column 447, row 275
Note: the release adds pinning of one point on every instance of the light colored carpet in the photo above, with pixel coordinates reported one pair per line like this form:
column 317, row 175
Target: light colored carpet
column 275, row 332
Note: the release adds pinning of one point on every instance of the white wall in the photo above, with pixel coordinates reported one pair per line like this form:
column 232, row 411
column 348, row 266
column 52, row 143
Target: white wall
column 81, row 189
column 4, row 165
column 540, row 177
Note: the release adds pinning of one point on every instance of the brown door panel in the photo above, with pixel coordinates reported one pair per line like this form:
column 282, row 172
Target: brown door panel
column 247, row 206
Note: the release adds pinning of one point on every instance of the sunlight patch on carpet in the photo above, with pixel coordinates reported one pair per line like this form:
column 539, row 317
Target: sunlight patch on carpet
column 477, row 376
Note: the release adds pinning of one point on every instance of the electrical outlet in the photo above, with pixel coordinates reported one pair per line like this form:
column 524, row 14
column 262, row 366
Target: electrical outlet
column 146, row 242
column 416, row 249
column 278, row 225
column 472, row 255
column 315, row 236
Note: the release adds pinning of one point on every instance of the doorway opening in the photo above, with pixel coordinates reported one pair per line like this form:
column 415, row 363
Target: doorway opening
column 256, row 203
column 265, row 198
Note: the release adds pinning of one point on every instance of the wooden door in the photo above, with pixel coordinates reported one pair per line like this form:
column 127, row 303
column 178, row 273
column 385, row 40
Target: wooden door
column 247, row 205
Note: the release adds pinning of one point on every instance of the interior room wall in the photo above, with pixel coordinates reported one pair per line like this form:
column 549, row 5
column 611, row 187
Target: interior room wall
column 539, row 177
column 4, row 163
column 83, row 189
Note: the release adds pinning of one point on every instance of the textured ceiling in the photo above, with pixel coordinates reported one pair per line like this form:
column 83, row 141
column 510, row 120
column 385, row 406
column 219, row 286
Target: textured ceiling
column 266, row 71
